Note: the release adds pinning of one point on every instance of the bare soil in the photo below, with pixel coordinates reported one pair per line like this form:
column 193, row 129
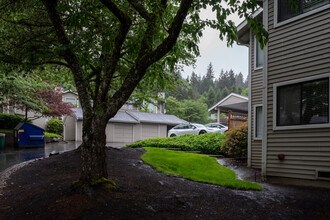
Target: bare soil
column 39, row 190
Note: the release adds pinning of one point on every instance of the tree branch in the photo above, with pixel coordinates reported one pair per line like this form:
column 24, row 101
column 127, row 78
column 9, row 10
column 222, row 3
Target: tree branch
column 70, row 57
column 138, row 70
column 122, row 17
column 140, row 9
column 111, row 64
column 171, row 39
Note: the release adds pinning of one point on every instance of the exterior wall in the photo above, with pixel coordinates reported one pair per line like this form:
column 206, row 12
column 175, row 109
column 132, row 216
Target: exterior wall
column 40, row 122
column 256, row 99
column 78, row 130
column 118, row 132
column 69, row 128
column 296, row 50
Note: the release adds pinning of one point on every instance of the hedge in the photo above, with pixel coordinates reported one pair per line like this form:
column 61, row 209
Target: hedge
column 235, row 144
column 205, row 143
column 9, row 121
column 55, row 126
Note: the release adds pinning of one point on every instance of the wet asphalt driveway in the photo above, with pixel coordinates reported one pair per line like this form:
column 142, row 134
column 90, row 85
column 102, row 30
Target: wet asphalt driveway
column 147, row 194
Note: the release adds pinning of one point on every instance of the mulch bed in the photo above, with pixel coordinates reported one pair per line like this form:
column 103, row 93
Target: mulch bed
column 40, row 191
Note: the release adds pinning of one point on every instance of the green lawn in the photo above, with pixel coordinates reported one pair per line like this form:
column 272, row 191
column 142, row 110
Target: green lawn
column 52, row 135
column 194, row 167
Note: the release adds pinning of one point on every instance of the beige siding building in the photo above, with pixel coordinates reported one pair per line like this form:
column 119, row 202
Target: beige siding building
column 289, row 129
column 125, row 127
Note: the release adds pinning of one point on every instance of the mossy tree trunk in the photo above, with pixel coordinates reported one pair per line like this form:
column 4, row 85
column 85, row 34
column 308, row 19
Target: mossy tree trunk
column 93, row 152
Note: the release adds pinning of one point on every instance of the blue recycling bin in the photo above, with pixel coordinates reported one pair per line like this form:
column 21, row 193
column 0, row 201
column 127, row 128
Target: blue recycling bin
column 28, row 135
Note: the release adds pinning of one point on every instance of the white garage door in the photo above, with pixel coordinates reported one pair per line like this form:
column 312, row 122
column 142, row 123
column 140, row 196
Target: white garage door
column 123, row 133
column 149, row 131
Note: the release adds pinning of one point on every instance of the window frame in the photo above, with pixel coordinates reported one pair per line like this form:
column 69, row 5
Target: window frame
column 291, row 82
column 255, row 122
column 75, row 100
column 255, row 56
column 295, row 18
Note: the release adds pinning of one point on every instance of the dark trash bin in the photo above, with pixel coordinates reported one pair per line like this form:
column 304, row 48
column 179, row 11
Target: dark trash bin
column 28, row 135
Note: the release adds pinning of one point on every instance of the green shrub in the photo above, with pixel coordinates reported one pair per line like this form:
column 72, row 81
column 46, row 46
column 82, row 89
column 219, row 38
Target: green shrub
column 55, row 126
column 205, row 143
column 9, row 121
column 52, row 135
column 235, row 144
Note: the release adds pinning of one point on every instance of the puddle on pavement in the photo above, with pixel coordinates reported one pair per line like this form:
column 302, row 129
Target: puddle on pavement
column 10, row 156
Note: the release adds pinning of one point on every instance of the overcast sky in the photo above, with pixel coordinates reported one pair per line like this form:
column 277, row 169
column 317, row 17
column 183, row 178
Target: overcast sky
column 213, row 50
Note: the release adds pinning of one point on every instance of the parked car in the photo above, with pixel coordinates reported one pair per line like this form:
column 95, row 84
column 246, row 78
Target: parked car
column 218, row 128
column 189, row 129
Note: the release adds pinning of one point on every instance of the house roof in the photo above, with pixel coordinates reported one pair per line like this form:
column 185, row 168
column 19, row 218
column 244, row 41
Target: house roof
column 134, row 117
column 242, row 97
column 156, row 118
column 69, row 91
column 243, row 29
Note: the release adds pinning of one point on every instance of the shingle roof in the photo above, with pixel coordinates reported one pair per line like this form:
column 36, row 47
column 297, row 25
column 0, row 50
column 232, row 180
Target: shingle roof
column 137, row 117
column 156, row 118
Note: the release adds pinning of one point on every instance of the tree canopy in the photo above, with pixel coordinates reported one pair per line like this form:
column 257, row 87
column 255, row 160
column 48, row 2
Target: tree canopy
column 32, row 94
column 112, row 48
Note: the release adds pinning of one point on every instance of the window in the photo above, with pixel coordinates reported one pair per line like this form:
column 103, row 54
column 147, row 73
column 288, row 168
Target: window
column 258, row 122
column 71, row 100
column 178, row 127
column 286, row 10
column 303, row 103
column 259, row 56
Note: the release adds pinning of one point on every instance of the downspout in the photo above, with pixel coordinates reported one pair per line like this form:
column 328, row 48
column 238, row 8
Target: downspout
column 264, row 97
column 249, row 105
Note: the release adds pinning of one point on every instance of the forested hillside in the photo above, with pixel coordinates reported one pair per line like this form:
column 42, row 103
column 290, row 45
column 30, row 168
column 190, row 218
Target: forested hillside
column 196, row 94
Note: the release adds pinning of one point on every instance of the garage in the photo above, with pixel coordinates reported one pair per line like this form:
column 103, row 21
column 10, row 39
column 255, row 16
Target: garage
column 125, row 127
column 149, row 131
column 123, row 133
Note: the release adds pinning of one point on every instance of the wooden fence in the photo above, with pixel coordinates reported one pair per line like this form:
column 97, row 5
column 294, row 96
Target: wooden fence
column 235, row 119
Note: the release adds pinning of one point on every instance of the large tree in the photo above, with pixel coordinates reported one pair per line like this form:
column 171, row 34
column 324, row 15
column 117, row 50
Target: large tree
column 111, row 47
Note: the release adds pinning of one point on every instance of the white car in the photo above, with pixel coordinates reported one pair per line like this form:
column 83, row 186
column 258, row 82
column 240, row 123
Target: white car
column 218, row 128
column 189, row 129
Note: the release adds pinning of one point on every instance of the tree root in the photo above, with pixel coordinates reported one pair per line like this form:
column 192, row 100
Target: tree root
column 92, row 189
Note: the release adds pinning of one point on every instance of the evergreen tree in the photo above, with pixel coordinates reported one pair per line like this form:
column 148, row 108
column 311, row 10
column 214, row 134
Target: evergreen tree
column 211, row 97
column 239, row 80
column 225, row 92
column 239, row 90
column 207, row 81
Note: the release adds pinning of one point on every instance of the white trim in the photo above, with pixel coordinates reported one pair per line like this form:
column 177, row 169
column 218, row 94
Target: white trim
column 249, row 105
column 264, row 97
column 227, row 97
column 278, row 24
column 255, row 56
column 292, row 127
column 244, row 23
column 255, row 121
